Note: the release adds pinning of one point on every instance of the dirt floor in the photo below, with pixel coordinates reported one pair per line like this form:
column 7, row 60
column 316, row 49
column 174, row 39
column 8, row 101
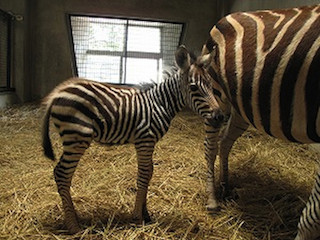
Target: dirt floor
column 271, row 181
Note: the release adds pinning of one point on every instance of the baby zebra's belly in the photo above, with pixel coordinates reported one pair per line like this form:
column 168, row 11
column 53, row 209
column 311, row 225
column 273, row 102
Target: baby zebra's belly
column 114, row 134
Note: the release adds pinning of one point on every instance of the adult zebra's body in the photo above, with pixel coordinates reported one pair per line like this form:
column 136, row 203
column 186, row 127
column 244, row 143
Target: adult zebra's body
column 85, row 110
column 266, row 74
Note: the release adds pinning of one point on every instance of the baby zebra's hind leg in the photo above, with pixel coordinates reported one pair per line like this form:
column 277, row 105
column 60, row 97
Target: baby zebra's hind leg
column 63, row 172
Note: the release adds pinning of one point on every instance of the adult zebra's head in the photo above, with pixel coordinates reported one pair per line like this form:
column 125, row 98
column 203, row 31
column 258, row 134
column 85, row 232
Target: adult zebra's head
column 196, row 86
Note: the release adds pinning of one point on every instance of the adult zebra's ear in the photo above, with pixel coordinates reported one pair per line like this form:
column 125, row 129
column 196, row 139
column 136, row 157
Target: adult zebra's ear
column 183, row 59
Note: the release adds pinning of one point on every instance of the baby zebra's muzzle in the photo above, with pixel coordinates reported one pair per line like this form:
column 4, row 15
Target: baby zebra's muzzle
column 217, row 119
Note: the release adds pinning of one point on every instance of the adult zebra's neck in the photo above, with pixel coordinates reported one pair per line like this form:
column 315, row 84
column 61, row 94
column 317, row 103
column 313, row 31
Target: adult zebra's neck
column 168, row 95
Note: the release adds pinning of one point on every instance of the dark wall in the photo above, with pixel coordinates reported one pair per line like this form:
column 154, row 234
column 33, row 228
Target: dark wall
column 19, row 45
column 251, row 5
column 41, row 48
column 46, row 55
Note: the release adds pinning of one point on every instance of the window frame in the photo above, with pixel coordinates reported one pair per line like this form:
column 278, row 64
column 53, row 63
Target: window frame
column 9, row 18
column 124, row 55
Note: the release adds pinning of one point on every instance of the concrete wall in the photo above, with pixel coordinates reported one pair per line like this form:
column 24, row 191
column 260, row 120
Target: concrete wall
column 42, row 56
column 42, row 48
column 251, row 5
column 20, row 83
column 8, row 98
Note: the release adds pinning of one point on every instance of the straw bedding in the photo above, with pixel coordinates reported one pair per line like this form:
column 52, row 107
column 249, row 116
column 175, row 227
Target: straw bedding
column 271, row 180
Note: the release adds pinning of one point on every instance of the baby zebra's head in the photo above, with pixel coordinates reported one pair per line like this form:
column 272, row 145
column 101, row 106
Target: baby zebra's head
column 197, row 87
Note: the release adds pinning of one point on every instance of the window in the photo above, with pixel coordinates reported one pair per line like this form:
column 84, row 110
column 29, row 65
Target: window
column 5, row 50
column 123, row 51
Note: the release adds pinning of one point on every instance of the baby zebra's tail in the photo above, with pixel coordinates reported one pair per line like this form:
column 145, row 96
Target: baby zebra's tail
column 46, row 142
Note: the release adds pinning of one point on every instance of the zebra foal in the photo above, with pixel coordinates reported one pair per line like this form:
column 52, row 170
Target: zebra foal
column 265, row 67
column 83, row 111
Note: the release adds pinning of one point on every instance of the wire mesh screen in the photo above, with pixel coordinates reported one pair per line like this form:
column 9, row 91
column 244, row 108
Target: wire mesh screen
column 123, row 51
column 5, row 21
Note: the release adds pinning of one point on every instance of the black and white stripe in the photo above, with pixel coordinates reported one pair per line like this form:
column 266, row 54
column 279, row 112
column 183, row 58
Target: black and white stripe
column 83, row 111
column 266, row 74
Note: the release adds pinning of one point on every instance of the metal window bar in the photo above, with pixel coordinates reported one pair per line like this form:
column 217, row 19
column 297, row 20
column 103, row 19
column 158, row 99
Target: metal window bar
column 128, row 45
column 6, row 25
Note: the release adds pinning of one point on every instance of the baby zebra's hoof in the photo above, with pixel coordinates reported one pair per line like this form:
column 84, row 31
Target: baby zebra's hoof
column 73, row 229
column 147, row 220
column 140, row 222
column 146, row 217
column 213, row 206
column 213, row 210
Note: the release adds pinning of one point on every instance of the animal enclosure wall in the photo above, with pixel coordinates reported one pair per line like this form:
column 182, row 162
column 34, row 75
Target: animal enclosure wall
column 19, row 73
column 42, row 53
column 252, row 5
column 5, row 49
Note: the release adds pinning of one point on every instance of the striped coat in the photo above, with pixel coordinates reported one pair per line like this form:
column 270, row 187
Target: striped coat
column 266, row 74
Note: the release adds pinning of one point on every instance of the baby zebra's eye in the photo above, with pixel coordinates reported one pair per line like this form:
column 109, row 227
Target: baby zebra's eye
column 193, row 87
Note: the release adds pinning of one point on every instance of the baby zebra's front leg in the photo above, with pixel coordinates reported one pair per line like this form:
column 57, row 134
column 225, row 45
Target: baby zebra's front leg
column 144, row 148
column 211, row 150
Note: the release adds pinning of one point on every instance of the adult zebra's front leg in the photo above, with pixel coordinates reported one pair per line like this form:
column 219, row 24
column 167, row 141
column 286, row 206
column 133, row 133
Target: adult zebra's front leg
column 234, row 130
column 144, row 150
column 309, row 225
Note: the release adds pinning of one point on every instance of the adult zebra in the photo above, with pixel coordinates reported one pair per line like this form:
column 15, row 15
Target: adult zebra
column 265, row 66
column 84, row 111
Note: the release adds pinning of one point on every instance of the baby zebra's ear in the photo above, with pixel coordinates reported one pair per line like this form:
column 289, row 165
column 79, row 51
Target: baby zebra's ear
column 207, row 57
column 205, row 60
column 183, row 58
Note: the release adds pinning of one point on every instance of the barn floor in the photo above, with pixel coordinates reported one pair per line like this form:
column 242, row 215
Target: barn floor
column 271, row 181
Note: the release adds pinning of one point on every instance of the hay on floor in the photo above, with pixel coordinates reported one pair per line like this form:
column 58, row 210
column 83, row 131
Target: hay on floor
column 271, row 181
